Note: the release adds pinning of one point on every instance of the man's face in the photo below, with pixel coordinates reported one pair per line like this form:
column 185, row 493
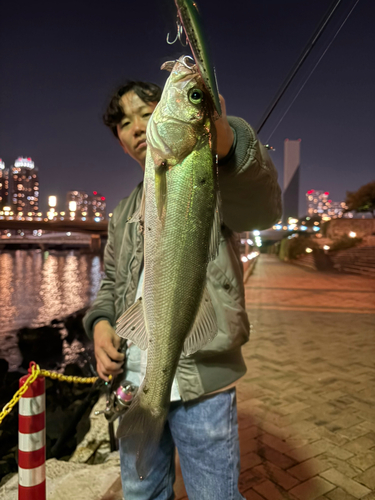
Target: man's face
column 132, row 128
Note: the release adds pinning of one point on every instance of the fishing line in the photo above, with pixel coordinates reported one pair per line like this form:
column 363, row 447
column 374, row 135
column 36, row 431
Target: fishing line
column 300, row 62
column 312, row 71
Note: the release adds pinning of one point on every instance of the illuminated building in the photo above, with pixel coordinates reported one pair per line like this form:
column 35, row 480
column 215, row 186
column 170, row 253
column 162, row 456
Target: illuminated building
column 86, row 206
column 319, row 204
column 24, row 193
column 291, row 178
column 82, row 202
column 97, row 206
column 4, row 185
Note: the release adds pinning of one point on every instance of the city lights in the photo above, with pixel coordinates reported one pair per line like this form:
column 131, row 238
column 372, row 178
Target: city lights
column 326, row 247
column 52, row 201
column 308, row 250
column 352, row 234
column 72, row 206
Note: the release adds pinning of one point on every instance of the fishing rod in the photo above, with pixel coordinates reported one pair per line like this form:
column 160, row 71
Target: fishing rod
column 309, row 75
column 310, row 45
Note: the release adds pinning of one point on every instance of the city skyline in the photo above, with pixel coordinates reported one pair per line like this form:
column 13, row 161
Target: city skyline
column 20, row 195
column 58, row 76
column 84, row 202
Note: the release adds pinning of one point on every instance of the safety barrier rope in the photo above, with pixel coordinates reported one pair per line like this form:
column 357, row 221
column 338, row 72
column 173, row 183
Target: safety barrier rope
column 35, row 372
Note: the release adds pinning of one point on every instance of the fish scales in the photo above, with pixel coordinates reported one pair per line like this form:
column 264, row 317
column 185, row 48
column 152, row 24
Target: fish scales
column 180, row 202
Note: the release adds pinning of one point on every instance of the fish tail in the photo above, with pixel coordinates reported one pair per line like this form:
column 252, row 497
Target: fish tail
column 143, row 427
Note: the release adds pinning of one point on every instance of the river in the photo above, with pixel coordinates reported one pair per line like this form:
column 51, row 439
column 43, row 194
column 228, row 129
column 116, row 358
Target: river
column 37, row 287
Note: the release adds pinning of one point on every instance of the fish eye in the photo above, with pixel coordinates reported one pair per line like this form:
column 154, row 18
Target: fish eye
column 196, row 96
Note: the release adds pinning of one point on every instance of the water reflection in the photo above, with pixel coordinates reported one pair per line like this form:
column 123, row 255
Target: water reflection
column 37, row 287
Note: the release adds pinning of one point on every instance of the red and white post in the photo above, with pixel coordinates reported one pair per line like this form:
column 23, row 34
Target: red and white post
column 31, row 442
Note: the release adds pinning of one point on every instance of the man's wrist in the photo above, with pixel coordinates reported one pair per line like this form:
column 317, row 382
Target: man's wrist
column 228, row 156
column 99, row 320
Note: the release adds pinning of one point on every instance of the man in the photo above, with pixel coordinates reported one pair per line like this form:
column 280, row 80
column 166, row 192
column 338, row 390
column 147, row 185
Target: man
column 202, row 421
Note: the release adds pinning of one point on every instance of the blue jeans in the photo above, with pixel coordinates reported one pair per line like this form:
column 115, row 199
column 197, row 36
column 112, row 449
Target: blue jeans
column 206, row 436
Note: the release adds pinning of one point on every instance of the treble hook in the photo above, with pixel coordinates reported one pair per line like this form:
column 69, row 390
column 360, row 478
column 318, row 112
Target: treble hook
column 180, row 31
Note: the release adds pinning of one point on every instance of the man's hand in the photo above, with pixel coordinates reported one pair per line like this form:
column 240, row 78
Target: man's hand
column 106, row 343
column 224, row 133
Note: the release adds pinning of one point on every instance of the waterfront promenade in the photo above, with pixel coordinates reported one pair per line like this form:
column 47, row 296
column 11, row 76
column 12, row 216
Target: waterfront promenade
column 307, row 404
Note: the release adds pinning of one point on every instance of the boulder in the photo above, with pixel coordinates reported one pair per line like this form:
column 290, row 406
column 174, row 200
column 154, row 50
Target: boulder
column 73, row 481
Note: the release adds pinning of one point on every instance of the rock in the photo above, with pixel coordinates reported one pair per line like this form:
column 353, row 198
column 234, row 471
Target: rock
column 97, row 437
column 4, row 366
column 43, row 345
column 66, row 480
column 74, row 326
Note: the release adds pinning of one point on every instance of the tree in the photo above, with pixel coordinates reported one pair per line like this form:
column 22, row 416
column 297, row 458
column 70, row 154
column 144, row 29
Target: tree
column 362, row 200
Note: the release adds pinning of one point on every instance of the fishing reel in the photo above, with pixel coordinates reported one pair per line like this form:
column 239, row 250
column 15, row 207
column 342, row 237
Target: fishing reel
column 118, row 401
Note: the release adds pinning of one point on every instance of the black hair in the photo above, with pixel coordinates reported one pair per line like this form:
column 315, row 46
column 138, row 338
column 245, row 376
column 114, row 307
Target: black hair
column 148, row 92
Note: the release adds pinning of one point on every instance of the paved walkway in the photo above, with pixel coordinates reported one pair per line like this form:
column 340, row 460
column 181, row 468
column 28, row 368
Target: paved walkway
column 306, row 406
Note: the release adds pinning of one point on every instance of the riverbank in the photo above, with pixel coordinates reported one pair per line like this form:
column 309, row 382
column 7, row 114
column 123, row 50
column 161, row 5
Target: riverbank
column 60, row 346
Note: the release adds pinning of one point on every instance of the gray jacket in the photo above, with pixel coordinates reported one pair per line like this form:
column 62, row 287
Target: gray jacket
column 250, row 200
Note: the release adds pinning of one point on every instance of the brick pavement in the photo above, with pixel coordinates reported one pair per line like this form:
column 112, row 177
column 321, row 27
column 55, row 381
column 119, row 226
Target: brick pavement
column 306, row 406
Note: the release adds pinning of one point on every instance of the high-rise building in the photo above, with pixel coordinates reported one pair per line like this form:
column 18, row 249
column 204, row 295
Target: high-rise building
column 79, row 200
column 319, row 204
column 4, row 185
column 291, row 178
column 24, row 192
column 97, row 206
column 84, row 205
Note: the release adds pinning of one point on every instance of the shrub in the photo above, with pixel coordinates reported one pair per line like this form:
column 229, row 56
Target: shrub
column 295, row 247
column 345, row 242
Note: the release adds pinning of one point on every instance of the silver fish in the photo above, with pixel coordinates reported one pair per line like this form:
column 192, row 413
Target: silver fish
column 181, row 223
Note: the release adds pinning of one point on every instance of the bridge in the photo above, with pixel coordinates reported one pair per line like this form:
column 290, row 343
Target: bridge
column 65, row 225
column 90, row 234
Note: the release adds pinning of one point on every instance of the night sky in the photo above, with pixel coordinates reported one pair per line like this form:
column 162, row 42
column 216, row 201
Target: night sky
column 60, row 61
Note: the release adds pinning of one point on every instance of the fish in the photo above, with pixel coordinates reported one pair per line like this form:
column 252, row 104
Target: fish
column 180, row 217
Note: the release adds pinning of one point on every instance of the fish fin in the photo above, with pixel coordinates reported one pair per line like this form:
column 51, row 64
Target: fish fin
column 205, row 326
column 161, row 189
column 143, row 428
column 139, row 214
column 131, row 325
column 168, row 65
column 215, row 231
